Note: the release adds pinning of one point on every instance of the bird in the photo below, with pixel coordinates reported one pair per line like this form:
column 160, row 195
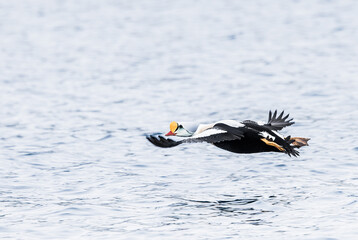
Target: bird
column 238, row 137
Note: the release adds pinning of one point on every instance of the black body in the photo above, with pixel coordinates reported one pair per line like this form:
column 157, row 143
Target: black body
column 251, row 143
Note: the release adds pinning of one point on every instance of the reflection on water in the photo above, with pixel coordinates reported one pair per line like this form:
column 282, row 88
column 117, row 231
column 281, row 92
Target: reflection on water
column 231, row 208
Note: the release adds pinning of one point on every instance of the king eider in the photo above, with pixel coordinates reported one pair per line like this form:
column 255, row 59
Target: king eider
column 238, row 137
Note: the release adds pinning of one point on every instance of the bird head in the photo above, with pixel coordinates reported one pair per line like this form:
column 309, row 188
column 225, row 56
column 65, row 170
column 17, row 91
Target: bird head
column 178, row 130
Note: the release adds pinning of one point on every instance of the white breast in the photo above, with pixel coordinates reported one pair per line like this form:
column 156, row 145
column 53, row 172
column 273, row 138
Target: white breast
column 202, row 127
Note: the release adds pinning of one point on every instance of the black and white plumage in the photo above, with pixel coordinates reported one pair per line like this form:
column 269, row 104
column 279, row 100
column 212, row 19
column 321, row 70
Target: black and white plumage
column 240, row 137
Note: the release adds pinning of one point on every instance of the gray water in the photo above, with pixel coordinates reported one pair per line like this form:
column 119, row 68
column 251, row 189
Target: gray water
column 83, row 82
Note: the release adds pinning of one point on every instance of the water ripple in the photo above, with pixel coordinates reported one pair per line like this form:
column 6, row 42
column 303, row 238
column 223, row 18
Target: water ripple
column 83, row 83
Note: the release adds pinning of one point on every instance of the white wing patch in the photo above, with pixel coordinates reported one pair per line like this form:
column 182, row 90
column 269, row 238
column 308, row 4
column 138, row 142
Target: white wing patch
column 208, row 132
column 211, row 135
column 205, row 127
column 261, row 123
column 267, row 136
column 280, row 135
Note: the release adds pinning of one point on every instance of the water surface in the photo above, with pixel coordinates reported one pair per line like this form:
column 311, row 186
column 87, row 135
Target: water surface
column 83, row 82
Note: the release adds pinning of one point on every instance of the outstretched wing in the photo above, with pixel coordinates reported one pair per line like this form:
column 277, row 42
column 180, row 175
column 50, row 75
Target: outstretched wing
column 267, row 133
column 238, row 132
column 219, row 133
column 278, row 122
column 213, row 135
column 162, row 142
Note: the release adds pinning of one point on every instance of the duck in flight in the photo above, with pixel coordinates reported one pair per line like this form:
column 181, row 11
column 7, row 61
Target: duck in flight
column 239, row 137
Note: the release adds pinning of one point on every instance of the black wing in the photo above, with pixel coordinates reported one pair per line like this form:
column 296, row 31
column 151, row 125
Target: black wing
column 214, row 138
column 284, row 142
column 236, row 131
column 278, row 122
column 162, row 142
column 219, row 133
